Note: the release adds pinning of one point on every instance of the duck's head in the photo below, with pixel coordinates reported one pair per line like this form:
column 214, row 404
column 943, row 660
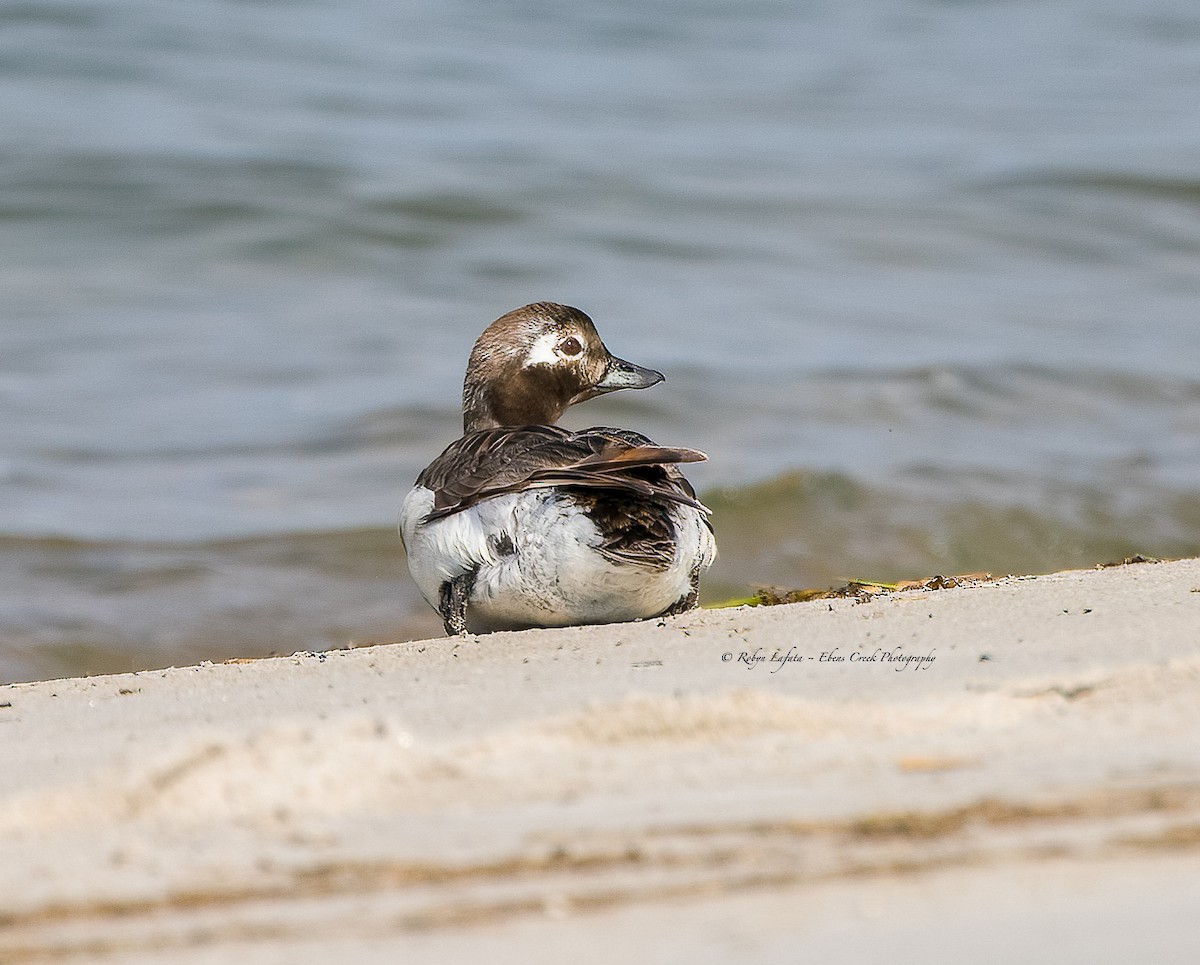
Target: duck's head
column 531, row 364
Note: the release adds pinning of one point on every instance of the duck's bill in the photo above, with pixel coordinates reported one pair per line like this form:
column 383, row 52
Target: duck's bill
column 626, row 375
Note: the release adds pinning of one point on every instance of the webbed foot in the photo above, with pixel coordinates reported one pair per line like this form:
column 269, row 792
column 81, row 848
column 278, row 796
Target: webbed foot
column 452, row 602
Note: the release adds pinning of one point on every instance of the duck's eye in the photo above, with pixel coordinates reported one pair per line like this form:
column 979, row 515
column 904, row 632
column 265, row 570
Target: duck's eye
column 570, row 347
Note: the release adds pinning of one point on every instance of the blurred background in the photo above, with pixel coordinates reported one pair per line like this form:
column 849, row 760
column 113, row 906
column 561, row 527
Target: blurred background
column 924, row 277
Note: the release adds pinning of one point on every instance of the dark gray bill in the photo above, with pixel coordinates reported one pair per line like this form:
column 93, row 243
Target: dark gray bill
column 626, row 375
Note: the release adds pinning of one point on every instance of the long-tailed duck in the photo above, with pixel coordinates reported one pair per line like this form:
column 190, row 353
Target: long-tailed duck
column 521, row 523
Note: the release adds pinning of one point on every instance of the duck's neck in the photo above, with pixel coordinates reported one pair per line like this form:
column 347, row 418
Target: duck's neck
column 531, row 397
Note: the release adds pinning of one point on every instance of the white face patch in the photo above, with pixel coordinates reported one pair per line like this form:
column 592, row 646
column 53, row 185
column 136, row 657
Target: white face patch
column 544, row 351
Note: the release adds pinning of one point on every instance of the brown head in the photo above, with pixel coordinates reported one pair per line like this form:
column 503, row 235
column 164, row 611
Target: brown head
column 530, row 365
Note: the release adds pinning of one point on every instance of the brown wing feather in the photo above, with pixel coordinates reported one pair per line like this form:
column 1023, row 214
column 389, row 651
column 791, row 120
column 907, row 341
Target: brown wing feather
column 492, row 462
column 619, row 457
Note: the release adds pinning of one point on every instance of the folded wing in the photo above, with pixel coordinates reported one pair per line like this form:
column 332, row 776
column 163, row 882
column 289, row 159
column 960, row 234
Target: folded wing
column 493, row 462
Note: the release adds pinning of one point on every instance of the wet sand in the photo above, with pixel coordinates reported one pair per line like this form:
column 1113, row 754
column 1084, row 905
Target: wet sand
column 1008, row 771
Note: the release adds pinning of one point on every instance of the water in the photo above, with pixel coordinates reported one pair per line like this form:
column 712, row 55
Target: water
column 924, row 278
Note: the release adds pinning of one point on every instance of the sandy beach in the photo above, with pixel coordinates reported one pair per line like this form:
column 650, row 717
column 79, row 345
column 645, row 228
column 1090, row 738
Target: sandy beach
column 1003, row 772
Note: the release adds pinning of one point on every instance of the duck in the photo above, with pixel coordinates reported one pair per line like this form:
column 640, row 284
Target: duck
column 521, row 523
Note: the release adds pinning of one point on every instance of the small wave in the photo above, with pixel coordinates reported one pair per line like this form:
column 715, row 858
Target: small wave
column 69, row 15
column 104, row 606
column 1002, row 393
column 814, row 529
column 265, row 207
column 103, row 185
column 449, row 208
column 1148, row 184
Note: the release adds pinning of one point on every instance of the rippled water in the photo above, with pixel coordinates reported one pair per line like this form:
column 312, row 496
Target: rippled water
column 924, row 277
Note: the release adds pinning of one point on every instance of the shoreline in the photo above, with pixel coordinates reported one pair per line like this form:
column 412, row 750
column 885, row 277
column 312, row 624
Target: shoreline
column 1030, row 744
